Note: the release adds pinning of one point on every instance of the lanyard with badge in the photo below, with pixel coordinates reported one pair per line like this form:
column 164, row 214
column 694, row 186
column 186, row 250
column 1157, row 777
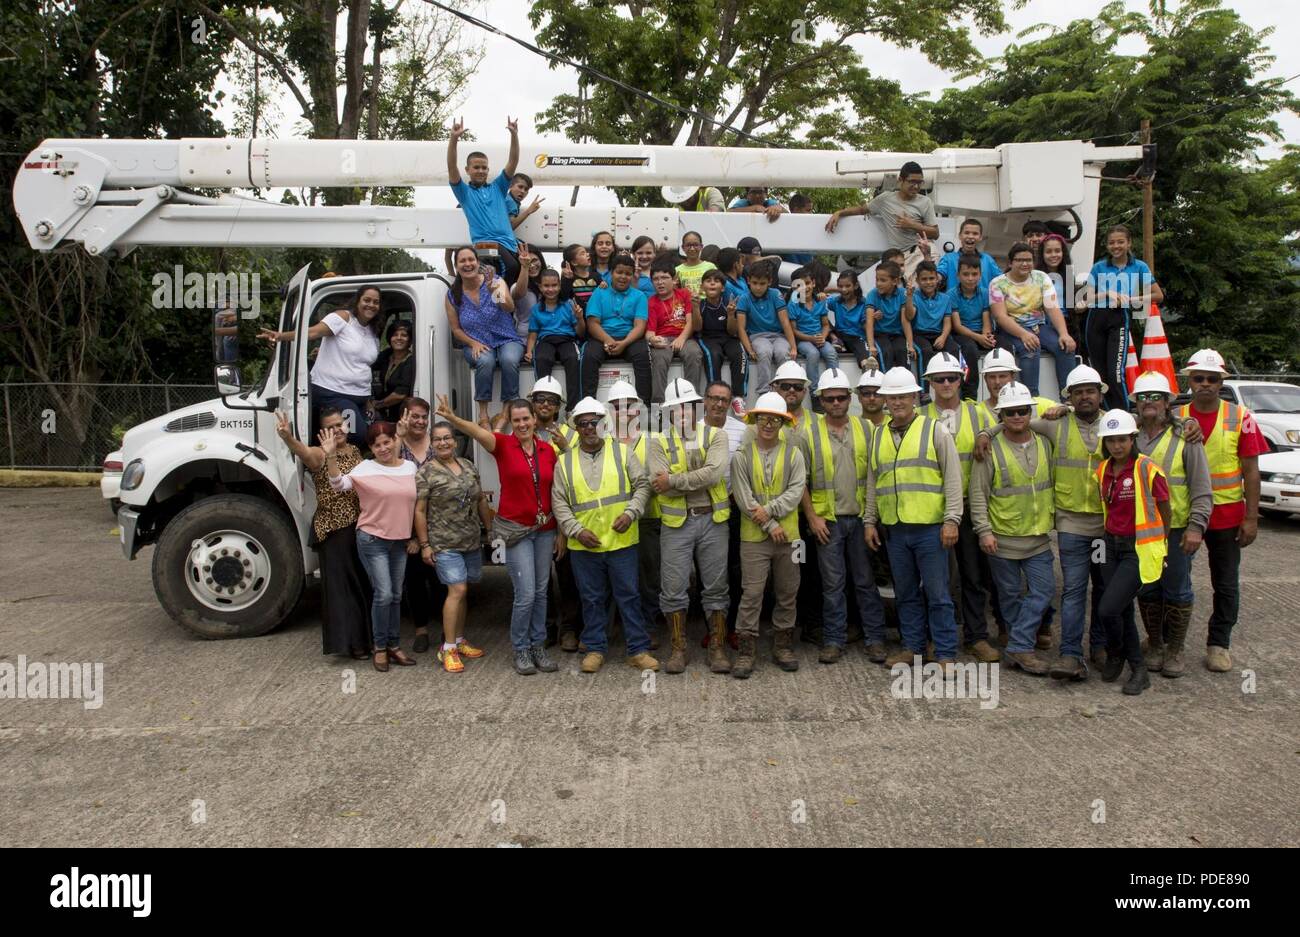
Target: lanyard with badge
column 533, row 467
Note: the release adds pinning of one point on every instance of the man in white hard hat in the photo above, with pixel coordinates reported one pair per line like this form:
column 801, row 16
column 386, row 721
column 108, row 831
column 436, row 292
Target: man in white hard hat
column 686, row 468
column 999, row 369
column 693, row 198
column 1233, row 444
column 598, row 495
column 835, row 448
column 1012, row 507
column 1166, row 606
column 914, row 490
column 767, row 483
column 963, row 419
column 548, row 397
column 630, row 427
column 869, row 399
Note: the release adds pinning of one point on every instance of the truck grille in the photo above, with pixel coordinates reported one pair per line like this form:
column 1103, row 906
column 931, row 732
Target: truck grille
column 192, row 422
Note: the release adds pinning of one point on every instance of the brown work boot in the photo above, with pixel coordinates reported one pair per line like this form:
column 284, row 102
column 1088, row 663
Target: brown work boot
column 1029, row 662
column 876, row 653
column 948, row 667
column 830, row 653
column 901, row 656
column 1178, row 618
column 1153, row 620
column 1217, row 659
column 643, row 661
column 1068, row 668
column 783, row 649
column 568, row 641
column 677, row 634
column 984, row 652
column 718, row 660
column 744, row 664
column 592, row 662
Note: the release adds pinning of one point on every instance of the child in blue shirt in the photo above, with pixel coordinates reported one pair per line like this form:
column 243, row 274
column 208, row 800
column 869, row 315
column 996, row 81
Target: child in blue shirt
column 930, row 311
column 617, row 316
column 970, row 234
column 763, row 325
column 849, row 310
column 520, row 185
column 553, row 332
column 486, row 204
column 811, row 325
column 972, row 324
column 887, row 328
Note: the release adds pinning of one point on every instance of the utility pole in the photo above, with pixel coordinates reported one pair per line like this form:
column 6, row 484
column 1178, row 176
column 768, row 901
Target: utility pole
column 1148, row 209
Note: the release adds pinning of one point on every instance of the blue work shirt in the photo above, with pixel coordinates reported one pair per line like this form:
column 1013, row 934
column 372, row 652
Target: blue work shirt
column 486, row 211
column 745, row 203
column 558, row 321
column 1133, row 279
column 618, row 312
column 808, row 321
column 892, row 307
column 970, row 308
column 930, row 311
column 849, row 320
column 947, row 267
column 761, row 313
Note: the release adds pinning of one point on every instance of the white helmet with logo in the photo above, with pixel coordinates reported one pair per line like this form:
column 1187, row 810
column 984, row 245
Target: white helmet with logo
column 943, row 363
column 1015, row 394
column 832, row 379
column 622, row 390
column 1085, row 375
column 999, row 360
column 790, row 371
column 1117, row 423
column 899, row 381
column 1207, row 359
column 1152, row 381
column 588, row 406
column 870, row 378
column 680, row 391
column 548, row 385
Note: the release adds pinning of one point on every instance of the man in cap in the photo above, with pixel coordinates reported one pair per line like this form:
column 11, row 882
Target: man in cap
column 694, row 198
column 599, row 493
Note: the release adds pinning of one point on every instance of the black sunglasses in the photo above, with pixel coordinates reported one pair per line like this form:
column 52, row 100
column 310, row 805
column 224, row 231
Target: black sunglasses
column 1206, row 379
column 945, row 379
column 586, row 424
column 790, row 386
column 1016, row 411
column 834, row 398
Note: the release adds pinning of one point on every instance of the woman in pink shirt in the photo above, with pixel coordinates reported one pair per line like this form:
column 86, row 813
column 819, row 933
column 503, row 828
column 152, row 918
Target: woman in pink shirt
column 385, row 487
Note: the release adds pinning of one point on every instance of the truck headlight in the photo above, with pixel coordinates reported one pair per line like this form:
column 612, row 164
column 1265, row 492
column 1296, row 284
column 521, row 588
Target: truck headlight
column 132, row 475
column 1284, row 478
column 1293, row 435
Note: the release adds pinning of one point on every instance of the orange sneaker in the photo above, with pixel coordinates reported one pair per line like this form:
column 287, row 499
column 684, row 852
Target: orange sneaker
column 465, row 649
column 451, row 661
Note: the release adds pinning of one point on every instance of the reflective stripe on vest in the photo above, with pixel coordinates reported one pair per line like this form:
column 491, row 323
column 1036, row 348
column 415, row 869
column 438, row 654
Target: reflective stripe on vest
column 1221, row 452
column 1169, row 456
column 1073, row 467
column 652, row 506
column 970, row 420
column 1149, row 538
column 907, row 470
column 765, row 491
column 821, row 488
column 672, row 504
column 597, row 510
column 1020, row 505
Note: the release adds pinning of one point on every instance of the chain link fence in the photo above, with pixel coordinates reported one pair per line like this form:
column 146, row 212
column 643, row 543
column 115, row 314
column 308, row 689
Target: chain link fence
column 74, row 426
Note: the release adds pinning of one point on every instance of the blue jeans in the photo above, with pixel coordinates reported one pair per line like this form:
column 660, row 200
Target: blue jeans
column 847, row 542
column 918, row 561
column 508, row 357
column 1026, row 361
column 1077, row 567
column 1024, row 613
column 385, row 563
column 814, row 358
column 599, row 574
column 529, row 565
column 353, row 408
column 1175, row 583
column 1065, row 361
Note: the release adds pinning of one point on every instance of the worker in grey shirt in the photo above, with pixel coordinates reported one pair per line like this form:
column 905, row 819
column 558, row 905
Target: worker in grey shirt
column 1166, row 605
column 598, row 494
column 908, row 216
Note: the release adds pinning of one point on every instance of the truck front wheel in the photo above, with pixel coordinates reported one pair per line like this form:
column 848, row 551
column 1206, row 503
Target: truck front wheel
column 228, row 567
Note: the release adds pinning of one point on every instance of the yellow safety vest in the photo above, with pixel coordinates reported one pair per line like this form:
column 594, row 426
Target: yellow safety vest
column 912, row 469
column 1020, row 505
column 1074, row 467
column 821, row 473
column 971, row 418
column 597, row 510
column 1168, row 454
column 652, row 506
column 1221, row 452
column 765, row 491
column 672, row 504
column 1149, row 530
column 565, row 432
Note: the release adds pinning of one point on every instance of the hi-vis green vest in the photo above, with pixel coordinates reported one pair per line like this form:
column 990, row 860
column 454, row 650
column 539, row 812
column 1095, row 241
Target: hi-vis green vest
column 652, row 506
column 1221, row 452
column 1168, row 454
column 1020, row 506
column 565, row 432
column 765, row 491
column 1075, row 466
column 597, row 510
column 971, row 418
column 909, row 480
column 821, row 471
column 1149, row 530
column 672, row 504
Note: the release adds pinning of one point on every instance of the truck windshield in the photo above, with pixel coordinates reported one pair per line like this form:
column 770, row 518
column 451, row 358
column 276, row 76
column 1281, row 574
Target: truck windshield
column 1273, row 399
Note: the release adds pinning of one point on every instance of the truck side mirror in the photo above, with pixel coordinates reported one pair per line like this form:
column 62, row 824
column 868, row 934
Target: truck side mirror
column 228, row 380
column 225, row 336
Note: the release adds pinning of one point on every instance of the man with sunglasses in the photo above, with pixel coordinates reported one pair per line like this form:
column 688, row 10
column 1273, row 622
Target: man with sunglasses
column 869, row 399
column 1233, row 444
column 548, row 397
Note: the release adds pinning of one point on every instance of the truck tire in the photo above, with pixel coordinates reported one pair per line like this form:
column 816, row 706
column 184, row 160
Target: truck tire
column 248, row 580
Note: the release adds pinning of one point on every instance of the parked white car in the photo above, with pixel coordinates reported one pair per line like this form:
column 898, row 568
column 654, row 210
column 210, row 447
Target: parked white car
column 1276, row 407
column 1279, row 483
column 110, row 483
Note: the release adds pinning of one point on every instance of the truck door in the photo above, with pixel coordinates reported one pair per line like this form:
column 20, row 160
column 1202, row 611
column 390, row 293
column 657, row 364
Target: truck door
column 290, row 382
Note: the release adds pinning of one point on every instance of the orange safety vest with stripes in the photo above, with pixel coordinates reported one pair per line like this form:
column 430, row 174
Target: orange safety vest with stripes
column 1221, row 452
column 1149, row 537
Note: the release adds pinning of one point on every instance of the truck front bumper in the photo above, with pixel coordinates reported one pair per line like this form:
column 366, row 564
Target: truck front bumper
column 127, row 521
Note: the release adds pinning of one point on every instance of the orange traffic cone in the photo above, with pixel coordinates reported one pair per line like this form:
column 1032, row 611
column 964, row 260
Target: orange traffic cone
column 1155, row 350
column 1131, row 369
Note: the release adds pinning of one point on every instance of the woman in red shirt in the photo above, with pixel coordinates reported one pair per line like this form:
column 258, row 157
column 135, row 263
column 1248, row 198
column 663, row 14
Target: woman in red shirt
column 523, row 522
column 1135, row 503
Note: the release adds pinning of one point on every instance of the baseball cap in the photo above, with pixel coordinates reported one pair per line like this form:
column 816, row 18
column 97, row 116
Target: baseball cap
column 749, row 245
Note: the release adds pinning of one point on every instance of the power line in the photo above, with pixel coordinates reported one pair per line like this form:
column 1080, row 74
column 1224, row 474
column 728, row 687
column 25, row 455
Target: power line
column 1132, row 134
column 601, row 76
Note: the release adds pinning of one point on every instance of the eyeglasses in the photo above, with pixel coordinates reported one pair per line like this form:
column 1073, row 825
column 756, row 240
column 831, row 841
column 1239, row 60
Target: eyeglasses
column 1206, row 379
column 914, row 181
column 769, row 420
column 546, row 398
column 834, row 398
column 1150, row 396
column 586, row 424
column 868, row 392
column 945, row 379
column 789, row 387
column 1016, row 411
column 718, row 399
column 444, row 438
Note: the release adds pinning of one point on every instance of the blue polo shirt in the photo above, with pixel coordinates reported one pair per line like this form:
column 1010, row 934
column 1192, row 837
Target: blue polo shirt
column 558, row 321
column 618, row 312
column 486, row 210
column 735, row 288
column 930, row 311
column 645, row 285
column 808, row 321
column 892, row 307
column 1131, row 279
column 744, row 202
column 849, row 320
column 761, row 313
column 970, row 308
column 947, row 267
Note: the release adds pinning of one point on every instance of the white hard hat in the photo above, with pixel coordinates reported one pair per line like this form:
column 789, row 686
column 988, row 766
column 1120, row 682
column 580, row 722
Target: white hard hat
column 770, row 403
column 588, row 405
column 1149, row 381
column 999, row 360
column 676, row 194
column 943, row 363
column 870, row 378
column 1117, row 423
column 790, row 371
column 680, row 391
column 899, row 381
column 1085, row 375
column 1207, row 359
column 548, row 385
column 1014, row 394
column 833, row 378
column 622, row 390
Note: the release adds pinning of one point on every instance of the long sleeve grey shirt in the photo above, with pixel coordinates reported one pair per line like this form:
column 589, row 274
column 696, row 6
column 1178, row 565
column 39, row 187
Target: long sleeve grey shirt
column 981, row 491
column 593, row 465
column 949, row 465
column 742, row 482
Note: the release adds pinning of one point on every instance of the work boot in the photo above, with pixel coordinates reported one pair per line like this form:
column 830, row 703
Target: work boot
column 1068, row 668
column 1029, row 662
column 643, row 661
column 830, row 653
column 592, row 662
column 568, row 642
column 677, row 632
column 718, row 660
column 1178, row 618
column 984, row 652
column 876, row 653
column 1217, row 659
column 1153, row 620
column 901, row 656
column 1138, row 680
column 783, row 649
column 1113, row 667
column 744, row 664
